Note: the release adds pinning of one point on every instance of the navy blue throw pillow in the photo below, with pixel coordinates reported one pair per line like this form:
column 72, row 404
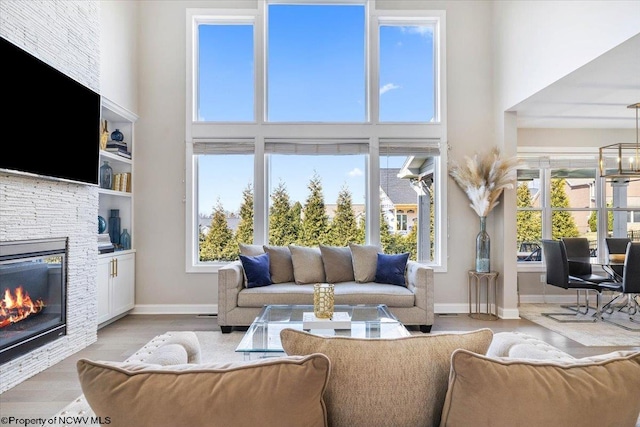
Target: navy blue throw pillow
column 390, row 269
column 257, row 270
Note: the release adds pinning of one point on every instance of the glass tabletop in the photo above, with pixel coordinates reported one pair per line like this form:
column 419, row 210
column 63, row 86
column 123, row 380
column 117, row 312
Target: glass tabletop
column 367, row 321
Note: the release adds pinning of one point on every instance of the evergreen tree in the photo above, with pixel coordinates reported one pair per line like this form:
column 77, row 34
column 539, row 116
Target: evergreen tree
column 411, row 242
column 593, row 220
column 281, row 221
column 343, row 228
column 296, row 222
column 386, row 238
column 244, row 233
column 219, row 243
column 528, row 223
column 360, row 236
column 563, row 224
column 315, row 222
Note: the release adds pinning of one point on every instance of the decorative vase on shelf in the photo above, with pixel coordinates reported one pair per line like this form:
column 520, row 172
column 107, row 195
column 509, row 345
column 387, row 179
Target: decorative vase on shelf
column 106, row 176
column 116, row 135
column 125, row 240
column 114, row 226
column 483, row 248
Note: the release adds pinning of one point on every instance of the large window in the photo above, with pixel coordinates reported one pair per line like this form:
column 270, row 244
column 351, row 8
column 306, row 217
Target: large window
column 280, row 143
column 565, row 197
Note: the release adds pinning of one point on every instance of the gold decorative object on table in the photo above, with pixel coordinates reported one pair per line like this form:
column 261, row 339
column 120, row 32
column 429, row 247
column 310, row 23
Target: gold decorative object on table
column 323, row 300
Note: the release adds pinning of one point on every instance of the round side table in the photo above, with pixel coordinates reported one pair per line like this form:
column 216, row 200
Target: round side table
column 476, row 281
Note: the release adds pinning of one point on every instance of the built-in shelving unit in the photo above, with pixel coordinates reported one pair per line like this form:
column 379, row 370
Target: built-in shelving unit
column 116, row 270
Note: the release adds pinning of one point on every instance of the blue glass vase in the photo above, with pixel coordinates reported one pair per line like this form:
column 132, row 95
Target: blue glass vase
column 483, row 248
column 114, row 226
column 116, row 135
column 106, row 176
column 125, row 240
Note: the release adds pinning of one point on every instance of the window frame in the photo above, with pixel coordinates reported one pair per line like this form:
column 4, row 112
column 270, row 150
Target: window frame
column 261, row 131
column 546, row 159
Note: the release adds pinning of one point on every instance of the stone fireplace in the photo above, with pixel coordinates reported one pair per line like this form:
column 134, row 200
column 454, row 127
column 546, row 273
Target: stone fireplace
column 33, row 298
column 65, row 35
column 40, row 210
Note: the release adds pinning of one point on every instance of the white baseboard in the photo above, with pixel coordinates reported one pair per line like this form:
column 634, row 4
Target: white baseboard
column 175, row 309
column 552, row 299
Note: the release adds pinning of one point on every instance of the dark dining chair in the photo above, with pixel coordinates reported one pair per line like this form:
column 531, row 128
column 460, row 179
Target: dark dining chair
column 557, row 269
column 578, row 247
column 630, row 282
column 617, row 246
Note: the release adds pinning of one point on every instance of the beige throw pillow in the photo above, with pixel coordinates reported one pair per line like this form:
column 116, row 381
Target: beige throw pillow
column 280, row 264
column 338, row 266
column 365, row 260
column 250, row 250
column 283, row 391
column 307, row 265
column 595, row 391
column 386, row 382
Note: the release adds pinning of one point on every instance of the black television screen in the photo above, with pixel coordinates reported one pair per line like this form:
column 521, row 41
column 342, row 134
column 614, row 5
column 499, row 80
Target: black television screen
column 54, row 119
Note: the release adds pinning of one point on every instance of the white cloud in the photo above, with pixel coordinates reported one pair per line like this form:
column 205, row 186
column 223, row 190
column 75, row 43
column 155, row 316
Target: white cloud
column 355, row 172
column 389, row 86
column 423, row 31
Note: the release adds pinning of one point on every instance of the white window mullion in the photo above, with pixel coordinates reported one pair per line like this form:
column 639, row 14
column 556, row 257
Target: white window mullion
column 260, row 194
column 372, row 217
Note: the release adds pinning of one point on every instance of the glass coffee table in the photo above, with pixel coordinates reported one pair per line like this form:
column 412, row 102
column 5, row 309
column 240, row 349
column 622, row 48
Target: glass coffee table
column 262, row 339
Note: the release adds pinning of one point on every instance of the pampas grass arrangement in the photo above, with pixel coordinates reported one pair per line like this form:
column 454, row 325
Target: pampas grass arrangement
column 484, row 177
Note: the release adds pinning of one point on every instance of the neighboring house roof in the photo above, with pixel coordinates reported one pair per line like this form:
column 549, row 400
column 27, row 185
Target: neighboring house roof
column 398, row 190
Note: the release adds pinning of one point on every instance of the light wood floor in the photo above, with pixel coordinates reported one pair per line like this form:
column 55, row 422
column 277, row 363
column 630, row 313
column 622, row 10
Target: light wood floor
column 46, row 393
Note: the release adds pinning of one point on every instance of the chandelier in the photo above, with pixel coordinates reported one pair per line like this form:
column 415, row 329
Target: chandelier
column 621, row 160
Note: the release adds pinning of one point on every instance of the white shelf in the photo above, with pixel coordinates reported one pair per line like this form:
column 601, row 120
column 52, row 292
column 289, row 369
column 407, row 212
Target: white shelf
column 114, row 157
column 114, row 192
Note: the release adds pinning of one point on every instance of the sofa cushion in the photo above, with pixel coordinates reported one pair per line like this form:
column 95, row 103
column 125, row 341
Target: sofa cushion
column 282, row 391
column 594, row 391
column 365, row 261
column 338, row 265
column 391, row 268
column 280, row 264
column 250, row 250
column 256, row 269
column 307, row 264
column 347, row 293
column 392, row 382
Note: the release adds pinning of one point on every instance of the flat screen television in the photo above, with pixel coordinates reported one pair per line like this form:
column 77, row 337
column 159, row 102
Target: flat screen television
column 55, row 120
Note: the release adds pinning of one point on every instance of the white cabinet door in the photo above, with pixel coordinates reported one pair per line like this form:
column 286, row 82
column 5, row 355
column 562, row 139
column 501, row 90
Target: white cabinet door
column 116, row 285
column 123, row 284
column 104, row 283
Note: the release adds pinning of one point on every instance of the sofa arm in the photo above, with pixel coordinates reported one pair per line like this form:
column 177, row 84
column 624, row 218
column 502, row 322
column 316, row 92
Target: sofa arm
column 230, row 283
column 420, row 282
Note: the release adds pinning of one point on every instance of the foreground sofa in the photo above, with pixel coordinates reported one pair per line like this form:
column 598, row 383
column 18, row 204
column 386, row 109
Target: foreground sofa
column 474, row 378
column 352, row 269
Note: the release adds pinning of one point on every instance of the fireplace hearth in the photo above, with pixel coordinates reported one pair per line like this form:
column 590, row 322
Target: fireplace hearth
column 33, row 301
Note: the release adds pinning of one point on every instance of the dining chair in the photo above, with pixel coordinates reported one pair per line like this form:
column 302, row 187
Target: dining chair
column 557, row 272
column 617, row 246
column 630, row 282
column 578, row 247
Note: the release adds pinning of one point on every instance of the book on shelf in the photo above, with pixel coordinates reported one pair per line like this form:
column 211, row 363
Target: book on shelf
column 122, row 182
column 339, row 320
column 117, row 144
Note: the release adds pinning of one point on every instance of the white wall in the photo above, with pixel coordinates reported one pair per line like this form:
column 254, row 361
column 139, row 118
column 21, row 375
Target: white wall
column 535, row 44
column 160, row 151
column 119, row 53
column 521, row 46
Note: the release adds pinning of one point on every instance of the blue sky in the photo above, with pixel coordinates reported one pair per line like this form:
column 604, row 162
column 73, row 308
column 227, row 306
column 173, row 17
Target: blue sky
column 316, row 73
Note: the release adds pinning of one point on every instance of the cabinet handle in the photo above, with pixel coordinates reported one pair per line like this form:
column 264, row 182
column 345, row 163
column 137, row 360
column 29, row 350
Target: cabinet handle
column 112, row 267
column 116, row 269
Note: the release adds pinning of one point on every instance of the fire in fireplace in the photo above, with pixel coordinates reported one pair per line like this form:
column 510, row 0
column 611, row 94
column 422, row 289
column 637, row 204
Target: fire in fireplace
column 32, row 294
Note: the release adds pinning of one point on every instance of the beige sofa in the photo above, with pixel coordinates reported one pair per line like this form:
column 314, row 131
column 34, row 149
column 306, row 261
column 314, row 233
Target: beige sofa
column 522, row 380
column 412, row 304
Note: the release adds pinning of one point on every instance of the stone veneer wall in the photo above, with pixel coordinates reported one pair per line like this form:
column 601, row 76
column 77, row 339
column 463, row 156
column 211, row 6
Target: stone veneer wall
column 66, row 35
